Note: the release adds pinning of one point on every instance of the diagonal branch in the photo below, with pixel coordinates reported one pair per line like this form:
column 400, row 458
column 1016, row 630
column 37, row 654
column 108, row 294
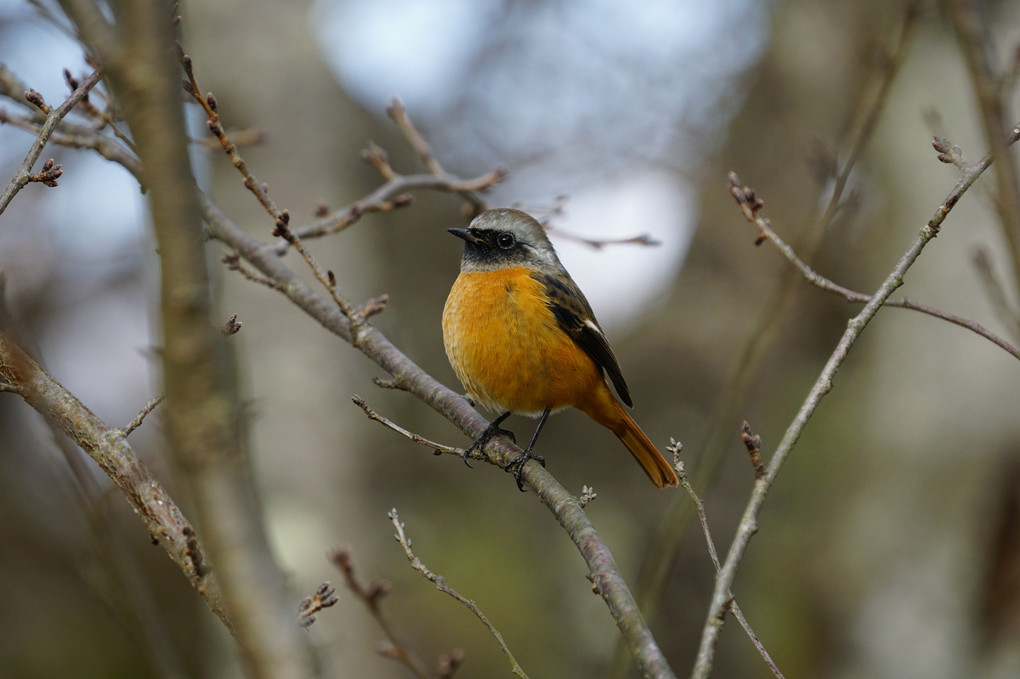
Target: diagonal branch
column 604, row 572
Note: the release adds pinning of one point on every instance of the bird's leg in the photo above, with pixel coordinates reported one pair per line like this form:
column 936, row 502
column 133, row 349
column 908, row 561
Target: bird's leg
column 492, row 430
column 517, row 464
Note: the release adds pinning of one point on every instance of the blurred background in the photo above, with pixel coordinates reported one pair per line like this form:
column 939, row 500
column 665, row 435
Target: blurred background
column 890, row 546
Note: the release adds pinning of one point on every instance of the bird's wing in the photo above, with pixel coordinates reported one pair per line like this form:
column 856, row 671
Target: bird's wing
column 574, row 315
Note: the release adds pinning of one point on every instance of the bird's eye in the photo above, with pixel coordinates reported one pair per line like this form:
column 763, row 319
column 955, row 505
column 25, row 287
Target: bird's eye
column 506, row 240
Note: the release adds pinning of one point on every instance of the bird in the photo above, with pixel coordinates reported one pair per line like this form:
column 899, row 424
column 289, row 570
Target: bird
column 523, row 339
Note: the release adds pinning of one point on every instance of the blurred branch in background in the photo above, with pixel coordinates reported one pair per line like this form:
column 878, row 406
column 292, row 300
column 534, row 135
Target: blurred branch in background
column 992, row 88
column 206, row 431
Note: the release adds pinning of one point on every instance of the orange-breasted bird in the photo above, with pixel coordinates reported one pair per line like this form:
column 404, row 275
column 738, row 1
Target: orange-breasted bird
column 523, row 339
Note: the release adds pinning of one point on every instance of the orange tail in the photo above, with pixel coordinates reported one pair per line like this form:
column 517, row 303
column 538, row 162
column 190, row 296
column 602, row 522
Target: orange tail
column 608, row 412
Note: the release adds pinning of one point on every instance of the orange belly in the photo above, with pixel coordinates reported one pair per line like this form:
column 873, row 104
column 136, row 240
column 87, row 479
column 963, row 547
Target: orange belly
column 507, row 349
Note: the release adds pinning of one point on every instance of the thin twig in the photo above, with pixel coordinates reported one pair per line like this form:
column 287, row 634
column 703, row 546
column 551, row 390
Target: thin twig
column 440, row 583
column 354, row 315
column 394, row 194
column 209, row 105
column 1006, row 312
column 261, row 192
column 103, row 118
column 53, row 118
column 398, row 113
column 674, row 447
column 79, row 137
column 233, row 262
column 644, row 239
column 438, row 448
column 750, row 207
column 749, row 521
column 146, row 409
column 371, row 596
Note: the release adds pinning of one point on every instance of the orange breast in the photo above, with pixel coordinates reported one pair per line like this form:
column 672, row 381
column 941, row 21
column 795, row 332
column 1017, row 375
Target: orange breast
column 507, row 349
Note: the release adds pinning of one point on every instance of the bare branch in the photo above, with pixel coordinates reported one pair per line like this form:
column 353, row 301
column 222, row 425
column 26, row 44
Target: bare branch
column 438, row 448
column 398, row 113
column 644, row 239
column 53, row 118
column 440, row 583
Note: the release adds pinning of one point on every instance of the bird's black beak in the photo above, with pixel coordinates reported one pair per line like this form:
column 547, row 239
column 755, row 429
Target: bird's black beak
column 467, row 235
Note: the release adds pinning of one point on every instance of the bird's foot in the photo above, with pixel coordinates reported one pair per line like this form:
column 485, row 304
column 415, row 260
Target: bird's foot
column 492, row 430
column 516, row 465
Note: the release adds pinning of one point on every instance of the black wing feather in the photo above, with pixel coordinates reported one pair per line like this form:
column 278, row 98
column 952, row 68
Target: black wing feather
column 571, row 310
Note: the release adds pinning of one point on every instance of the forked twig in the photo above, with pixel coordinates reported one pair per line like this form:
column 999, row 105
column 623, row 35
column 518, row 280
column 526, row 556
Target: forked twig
column 750, row 207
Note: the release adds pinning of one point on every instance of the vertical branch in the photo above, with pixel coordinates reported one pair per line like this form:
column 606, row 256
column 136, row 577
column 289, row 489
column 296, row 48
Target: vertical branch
column 204, row 424
column 973, row 32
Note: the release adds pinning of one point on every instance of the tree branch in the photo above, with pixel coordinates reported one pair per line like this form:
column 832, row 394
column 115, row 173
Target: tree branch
column 674, row 448
column 49, row 126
